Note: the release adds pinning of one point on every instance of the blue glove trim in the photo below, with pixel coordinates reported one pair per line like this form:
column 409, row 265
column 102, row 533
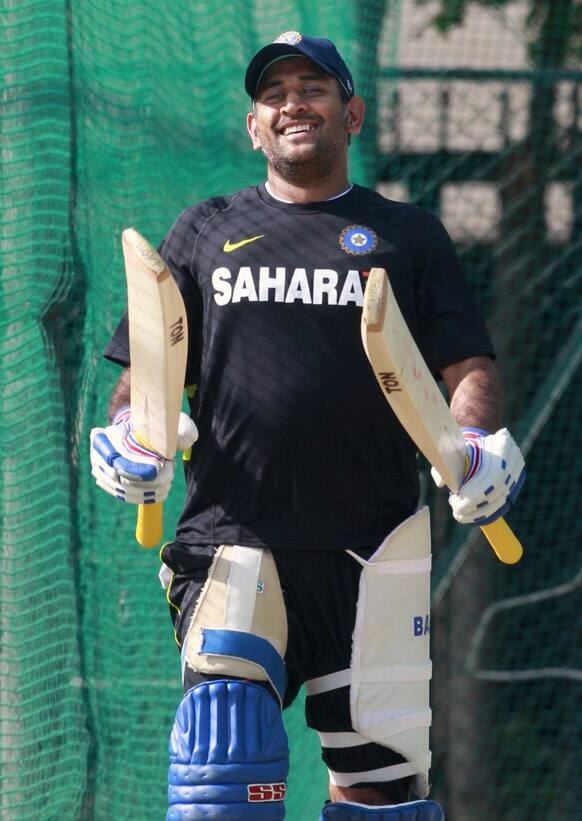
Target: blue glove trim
column 506, row 507
column 105, row 449
column 517, row 487
column 114, row 459
column 470, row 429
column 145, row 472
column 250, row 647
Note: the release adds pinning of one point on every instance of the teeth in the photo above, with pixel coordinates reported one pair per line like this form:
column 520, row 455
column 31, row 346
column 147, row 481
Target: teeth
column 297, row 129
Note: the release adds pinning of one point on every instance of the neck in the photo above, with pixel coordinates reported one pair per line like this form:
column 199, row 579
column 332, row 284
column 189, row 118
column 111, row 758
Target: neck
column 303, row 191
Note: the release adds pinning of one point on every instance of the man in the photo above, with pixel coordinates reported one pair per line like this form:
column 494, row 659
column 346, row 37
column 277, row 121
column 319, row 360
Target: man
column 302, row 476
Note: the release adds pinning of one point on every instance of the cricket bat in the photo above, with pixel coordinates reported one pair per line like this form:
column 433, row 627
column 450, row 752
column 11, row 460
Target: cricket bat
column 158, row 346
column 416, row 400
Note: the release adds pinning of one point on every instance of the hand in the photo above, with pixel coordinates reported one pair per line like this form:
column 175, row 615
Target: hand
column 494, row 476
column 124, row 468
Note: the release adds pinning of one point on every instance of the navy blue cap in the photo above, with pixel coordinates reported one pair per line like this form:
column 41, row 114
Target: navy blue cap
column 291, row 43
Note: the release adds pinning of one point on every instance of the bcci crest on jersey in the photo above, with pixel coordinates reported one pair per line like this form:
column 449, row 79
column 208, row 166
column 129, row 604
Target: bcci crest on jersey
column 358, row 240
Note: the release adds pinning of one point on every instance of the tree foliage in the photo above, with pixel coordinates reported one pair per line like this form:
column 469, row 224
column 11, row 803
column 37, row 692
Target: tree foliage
column 553, row 27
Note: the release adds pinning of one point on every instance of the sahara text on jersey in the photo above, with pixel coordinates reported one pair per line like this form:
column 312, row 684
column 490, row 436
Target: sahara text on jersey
column 319, row 286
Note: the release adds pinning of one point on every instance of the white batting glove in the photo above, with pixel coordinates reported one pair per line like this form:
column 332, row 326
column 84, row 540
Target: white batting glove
column 126, row 469
column 494, row 477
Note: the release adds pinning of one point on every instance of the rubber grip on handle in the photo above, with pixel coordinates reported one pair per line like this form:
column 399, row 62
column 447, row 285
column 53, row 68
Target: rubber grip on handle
column 149, row 528
column 503, row 540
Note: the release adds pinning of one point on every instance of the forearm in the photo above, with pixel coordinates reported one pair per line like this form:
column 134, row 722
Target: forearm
column 120, row 396
column 476, row 393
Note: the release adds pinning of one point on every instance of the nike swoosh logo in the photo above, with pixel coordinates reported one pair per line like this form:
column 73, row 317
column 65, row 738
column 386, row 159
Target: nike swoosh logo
column 232, row 246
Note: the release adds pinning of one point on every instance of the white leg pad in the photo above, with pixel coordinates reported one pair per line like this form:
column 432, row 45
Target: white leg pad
column 242, row 595
column 390, row 666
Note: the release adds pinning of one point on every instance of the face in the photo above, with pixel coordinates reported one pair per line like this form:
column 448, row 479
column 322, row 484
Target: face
column 299, row 120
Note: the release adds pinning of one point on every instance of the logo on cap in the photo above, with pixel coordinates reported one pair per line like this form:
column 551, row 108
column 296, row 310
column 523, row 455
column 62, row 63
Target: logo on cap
column 358, row 240
column 289, row 37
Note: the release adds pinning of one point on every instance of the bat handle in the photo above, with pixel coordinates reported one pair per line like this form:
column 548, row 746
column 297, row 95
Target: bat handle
column 148, row 531
column 503, row 540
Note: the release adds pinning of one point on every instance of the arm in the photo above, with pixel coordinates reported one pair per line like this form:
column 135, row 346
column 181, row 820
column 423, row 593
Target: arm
column 121, row 394
column 476, row 393
column 495, row 470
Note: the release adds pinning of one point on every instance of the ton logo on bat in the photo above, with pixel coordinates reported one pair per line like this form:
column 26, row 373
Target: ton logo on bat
column 177, row 330
column 389, row 381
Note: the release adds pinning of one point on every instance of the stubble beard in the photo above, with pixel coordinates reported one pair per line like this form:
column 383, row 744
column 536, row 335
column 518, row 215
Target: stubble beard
column 318, row 164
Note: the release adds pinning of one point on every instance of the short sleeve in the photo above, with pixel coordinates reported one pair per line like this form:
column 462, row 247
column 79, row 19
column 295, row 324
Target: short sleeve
column 450, row 323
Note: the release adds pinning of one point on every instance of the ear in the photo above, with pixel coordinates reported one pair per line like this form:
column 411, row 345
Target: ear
column 253, row 131
column 356, row 109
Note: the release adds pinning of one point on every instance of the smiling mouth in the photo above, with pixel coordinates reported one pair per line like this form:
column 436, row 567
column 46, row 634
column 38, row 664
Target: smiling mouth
column 301, row 128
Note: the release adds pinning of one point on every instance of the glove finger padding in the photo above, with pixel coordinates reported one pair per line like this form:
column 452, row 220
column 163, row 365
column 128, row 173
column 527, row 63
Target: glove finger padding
column 132, row 492
column 494, row 478
column 125, row 468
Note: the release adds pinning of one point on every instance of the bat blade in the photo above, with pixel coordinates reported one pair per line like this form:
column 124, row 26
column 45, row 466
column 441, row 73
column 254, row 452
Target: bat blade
column 412, row 392
column 158, row 344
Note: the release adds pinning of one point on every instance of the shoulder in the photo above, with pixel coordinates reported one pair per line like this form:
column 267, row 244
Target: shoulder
column 192, row 222
column 197, row 222
column 207, row 209
column 406, row 212
column 198, row 214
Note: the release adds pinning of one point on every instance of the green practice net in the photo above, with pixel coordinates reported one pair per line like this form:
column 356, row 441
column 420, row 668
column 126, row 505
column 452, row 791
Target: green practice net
column 122, row 113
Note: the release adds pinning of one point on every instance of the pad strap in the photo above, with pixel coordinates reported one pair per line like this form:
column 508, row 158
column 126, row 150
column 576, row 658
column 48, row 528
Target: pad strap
column 259, row 651
column 391, row 773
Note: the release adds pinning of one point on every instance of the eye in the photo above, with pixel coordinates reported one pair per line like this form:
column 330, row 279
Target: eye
column 273, row 97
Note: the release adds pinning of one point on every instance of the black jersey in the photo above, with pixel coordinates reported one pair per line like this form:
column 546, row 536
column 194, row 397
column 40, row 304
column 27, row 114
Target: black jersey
column 298, row 446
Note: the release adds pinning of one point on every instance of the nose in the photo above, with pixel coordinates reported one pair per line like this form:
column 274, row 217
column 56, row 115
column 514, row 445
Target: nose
column 293, row 104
